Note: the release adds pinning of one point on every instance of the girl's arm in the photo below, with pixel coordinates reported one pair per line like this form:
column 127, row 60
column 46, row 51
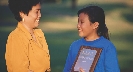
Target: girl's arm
column 111, row 60
column 69, row 61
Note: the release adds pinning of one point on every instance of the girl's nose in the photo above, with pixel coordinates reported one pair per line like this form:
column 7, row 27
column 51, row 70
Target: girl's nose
column 78, row 25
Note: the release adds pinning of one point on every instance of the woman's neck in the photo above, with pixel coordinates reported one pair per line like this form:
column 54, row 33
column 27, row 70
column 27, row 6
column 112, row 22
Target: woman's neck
column 28, row 28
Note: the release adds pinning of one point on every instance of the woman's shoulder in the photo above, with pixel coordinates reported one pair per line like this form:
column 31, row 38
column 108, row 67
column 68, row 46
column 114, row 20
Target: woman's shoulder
column 14, row 33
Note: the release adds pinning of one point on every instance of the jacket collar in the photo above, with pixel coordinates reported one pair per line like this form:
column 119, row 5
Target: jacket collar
column 27, row 33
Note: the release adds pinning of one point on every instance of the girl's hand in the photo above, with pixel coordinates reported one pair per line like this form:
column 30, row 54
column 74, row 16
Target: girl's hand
column 81, row 70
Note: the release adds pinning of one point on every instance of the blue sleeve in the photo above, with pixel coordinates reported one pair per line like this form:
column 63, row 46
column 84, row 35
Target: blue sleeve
column 111, row 60
column 69, row 62
column 70, row 58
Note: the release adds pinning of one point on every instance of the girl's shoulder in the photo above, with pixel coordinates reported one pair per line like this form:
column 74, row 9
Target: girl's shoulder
column 107, row 44
column 77, row 41
column 106, row 41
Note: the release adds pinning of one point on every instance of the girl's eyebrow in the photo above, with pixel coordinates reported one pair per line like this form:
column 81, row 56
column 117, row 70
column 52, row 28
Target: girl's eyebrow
column 38, row 9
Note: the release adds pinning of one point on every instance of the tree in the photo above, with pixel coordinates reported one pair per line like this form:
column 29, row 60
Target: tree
column 74, row 4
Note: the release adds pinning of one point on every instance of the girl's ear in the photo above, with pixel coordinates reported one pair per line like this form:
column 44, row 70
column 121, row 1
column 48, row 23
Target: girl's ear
column 95, row 25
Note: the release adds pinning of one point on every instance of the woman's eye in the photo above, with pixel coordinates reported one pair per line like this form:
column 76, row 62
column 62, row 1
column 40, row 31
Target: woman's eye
column 82, row 22
column 37, row 11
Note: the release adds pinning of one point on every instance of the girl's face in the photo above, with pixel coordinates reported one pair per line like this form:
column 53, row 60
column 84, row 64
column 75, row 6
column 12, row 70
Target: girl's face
column 85, row 27
column 32, row 20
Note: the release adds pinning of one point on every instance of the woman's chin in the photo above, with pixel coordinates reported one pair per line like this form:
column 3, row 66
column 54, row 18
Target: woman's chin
column 36, row 25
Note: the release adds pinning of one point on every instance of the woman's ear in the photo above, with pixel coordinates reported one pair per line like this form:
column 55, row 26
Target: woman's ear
column 95, row 25
column 21, row 14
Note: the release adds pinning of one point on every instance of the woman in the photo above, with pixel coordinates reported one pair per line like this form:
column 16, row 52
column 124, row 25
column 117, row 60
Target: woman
column 26, row 48
column 94, row 32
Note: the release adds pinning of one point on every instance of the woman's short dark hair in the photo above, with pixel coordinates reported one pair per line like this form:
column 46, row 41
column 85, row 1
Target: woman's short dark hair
column 96, row 14
column 24, row 6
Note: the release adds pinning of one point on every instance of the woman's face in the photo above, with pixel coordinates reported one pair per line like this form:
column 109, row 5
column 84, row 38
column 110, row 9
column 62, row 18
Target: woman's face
column 32, row 20
column 85, row 27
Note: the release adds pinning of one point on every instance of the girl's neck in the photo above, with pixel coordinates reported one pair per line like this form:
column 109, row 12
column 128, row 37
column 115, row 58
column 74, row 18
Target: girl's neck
column 92, row 38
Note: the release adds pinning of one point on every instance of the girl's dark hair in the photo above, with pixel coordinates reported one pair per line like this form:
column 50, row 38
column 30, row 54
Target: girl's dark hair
column 24, row 6
column 96, row 14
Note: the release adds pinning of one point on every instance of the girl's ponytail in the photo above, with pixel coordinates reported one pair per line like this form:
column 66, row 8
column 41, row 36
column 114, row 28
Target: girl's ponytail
column 103, row 31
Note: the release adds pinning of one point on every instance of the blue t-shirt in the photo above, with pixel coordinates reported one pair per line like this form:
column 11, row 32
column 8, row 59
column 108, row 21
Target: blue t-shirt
column 107, row 62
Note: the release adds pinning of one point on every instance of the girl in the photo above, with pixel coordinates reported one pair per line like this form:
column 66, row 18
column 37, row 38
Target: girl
column 92, row 28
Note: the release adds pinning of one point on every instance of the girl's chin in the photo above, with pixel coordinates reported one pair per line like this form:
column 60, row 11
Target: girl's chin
column 81, row 35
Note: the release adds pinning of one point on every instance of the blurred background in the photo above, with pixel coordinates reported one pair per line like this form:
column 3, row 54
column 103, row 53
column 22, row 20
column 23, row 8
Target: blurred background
column 59, row 21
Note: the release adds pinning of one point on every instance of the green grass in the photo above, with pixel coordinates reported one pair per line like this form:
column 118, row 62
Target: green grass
column 118, row 19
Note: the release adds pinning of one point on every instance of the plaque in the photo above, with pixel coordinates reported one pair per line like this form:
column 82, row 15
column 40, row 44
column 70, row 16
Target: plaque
column 86, row 59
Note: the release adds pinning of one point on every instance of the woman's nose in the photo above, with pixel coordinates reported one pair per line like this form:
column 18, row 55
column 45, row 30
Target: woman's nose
column 39, row 15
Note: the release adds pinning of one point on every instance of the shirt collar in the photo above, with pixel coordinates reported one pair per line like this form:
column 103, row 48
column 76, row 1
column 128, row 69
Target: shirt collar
column 37, row 31
column 24, row 30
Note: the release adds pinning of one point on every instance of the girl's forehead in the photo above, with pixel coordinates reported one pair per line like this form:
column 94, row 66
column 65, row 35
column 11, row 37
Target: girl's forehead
column 83, row 16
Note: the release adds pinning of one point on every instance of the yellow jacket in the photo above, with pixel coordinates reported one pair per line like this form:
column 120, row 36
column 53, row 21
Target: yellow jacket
column 24, row 54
